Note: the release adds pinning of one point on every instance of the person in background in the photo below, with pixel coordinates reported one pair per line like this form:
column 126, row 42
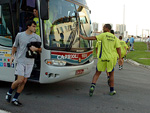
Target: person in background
column 123, row 50
column 148, row 43
column 36, row 19
column 127, row 41
column 106, row 57
column 128, row 50
column 132, row 43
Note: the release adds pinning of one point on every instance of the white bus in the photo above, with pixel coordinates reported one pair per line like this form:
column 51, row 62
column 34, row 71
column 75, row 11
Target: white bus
column 64, row 54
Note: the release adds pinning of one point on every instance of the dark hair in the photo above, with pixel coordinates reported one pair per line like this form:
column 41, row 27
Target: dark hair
column 112, row 31
column 35, row 8
column 120, row 37
column 108, row 26
column 29, row 23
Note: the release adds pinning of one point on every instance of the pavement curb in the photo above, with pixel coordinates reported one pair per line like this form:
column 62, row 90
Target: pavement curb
column 138, row 64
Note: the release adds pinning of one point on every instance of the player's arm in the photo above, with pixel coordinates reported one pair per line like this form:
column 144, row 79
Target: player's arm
column 39, row 50
column 33, row 48
column 125, row 49
column 120, row 62
column 88, row 38
column 119, row 52
column 14, row 49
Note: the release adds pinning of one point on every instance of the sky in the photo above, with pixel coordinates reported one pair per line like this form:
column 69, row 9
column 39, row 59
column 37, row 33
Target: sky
column 137, row 14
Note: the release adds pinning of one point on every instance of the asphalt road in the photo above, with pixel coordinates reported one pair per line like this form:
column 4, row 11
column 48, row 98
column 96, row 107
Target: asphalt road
column 71, row 96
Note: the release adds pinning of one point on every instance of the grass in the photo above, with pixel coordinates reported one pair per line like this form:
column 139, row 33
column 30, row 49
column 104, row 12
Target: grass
column 140, row 52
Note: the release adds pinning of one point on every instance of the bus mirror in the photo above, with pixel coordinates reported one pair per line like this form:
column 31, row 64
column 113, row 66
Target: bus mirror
column 80, row 8
column 44, row 9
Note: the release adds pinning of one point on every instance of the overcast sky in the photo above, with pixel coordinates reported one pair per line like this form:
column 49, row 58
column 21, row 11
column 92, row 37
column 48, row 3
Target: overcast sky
column 137, row 13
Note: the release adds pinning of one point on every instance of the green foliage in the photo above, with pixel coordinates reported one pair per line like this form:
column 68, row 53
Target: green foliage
column 140, row 52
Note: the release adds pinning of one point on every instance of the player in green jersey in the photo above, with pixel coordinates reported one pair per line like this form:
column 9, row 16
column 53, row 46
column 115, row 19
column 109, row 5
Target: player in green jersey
column 123, row 50
column 36, row 19
column 106, row 58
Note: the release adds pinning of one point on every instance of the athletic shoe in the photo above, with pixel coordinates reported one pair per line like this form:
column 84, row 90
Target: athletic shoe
column 16, row 103
column 8, row 97
column 119, row 67
column 122, row 67
column 92, row 88
column 112, row 93
column 125, row 60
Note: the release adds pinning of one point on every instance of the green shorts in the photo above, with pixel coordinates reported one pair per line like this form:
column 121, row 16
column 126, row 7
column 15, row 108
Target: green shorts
column 122, row 55
column 102, row 65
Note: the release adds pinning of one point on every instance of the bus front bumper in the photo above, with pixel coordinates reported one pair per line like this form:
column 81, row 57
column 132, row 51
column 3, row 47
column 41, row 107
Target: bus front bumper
column 51, row 74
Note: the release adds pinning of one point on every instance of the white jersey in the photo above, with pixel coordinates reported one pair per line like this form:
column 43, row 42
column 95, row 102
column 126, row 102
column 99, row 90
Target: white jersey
column 21, row 41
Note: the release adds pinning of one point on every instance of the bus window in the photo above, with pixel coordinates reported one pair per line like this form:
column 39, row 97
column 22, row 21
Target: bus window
column 5, row 26
column 83, row 19
column 62, row 28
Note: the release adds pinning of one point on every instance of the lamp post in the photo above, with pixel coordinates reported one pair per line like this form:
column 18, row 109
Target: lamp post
column 143, row 32
column 123, row 20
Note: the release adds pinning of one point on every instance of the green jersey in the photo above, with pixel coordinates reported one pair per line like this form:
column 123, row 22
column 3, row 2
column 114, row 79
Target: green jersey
column 37, row 25
column 98, row 46
column 123, row 50
column 109, row 43
column 127, row 46
column 116, row 53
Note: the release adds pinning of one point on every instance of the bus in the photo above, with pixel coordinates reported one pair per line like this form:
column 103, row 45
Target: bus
column 64, row 54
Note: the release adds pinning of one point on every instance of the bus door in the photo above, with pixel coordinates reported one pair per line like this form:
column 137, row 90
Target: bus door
column 26, row 13
column 85, row 25
column 6, row 36
column 26, row 8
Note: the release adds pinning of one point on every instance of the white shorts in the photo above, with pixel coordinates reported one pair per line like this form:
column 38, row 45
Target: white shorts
column 24, row 70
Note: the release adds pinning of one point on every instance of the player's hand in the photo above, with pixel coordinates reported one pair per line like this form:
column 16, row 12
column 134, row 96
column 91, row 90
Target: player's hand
column 12, row 59
column 33, row 48
column 120, row 61
column 81, row 36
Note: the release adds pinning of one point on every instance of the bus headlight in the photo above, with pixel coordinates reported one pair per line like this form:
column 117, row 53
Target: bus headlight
column 55, row 62
column 91, row 59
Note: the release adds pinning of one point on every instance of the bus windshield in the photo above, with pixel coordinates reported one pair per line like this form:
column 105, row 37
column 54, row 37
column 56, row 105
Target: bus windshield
column 62, row 28
column 5, row 26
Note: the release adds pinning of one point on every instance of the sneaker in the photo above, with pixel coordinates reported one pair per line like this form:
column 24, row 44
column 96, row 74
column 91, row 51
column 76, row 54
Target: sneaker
column 112, row 93
column 122, row 67
column 125, row 60
column 16, row 103
column 8, row 97
column 119, row 68
column 92, row 88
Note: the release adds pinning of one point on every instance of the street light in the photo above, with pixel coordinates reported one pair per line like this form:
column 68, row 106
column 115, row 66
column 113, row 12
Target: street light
column 123, row 20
